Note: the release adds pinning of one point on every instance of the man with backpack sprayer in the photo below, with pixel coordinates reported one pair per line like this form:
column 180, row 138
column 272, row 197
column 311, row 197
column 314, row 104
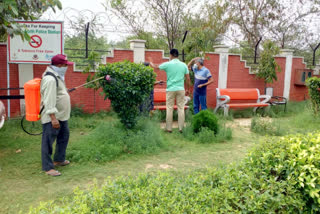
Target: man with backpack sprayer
column 56, row 112
column 55, row 115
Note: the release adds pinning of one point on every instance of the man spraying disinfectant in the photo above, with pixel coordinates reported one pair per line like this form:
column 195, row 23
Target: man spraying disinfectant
column 55, row 115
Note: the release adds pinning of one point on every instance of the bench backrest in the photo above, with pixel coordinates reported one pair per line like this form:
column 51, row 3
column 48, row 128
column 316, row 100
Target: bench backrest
column 159, row 95
column 239, row 93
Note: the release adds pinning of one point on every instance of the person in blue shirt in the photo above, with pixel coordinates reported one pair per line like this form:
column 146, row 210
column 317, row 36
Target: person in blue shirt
column 202, row 78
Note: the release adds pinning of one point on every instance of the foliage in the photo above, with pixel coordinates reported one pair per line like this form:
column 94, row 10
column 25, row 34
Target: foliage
column 77, row 110
column 263, row 126
column 110, row 140
column 78, row 56
column 293, row 159
column 313, row 85
column 278, row 176
column 166, row 17
column 278, row 20
column 130, row 85
column 205, row 30
column 205, row 135
column 268, row 67
column 10, row 10
column 207, row 119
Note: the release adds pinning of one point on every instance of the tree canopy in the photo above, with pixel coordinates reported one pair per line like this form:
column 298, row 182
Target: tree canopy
column 11, row 10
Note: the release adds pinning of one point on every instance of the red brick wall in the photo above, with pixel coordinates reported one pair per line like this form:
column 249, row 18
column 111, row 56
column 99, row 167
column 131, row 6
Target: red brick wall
column 297, row 92
column 238, row 77
column 278, row 86
column 14, row 81
column 157, row 58
column 120, row 55
column 212, row 63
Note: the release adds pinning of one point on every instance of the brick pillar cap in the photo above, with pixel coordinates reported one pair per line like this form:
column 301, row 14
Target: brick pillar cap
column 221, row 48
column 137, row 43
column 286, row 52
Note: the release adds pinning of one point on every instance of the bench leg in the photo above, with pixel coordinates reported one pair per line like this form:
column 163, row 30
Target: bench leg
column 226, row 110
column 267, row 109
column 216, row 109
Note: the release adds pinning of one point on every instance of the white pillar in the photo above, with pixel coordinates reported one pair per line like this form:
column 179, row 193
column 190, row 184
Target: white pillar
column 138, row 47
column 222, row 50
column 25, row 74
column 288, row 71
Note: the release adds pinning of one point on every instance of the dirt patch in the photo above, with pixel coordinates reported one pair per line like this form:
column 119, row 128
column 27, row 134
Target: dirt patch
column 165, row 166
column 149, row 166
column 161, row 166
column 243, row 123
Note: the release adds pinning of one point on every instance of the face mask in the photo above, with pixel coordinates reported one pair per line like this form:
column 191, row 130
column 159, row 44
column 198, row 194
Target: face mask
column 60, row 70
column 195, row 67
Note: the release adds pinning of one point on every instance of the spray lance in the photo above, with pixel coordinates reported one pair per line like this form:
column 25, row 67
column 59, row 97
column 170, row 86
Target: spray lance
column 107, row 77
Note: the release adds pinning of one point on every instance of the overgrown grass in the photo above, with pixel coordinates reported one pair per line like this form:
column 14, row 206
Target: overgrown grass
column 208, row 136
column 24, row 184
column 109, row 140
column 298, row 118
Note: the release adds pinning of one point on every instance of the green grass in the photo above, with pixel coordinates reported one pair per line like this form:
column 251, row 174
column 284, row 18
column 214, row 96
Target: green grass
column 22, row 183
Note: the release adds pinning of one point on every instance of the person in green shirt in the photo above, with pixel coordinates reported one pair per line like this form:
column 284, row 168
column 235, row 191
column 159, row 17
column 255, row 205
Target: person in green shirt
column 176, row 72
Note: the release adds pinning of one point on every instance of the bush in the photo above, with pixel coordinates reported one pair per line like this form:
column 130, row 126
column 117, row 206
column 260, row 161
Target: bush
column 294, row 159
column 205, row 119
column 206, row 135
column 280, row 175
column 265, row 127
column 110, row 140
column 129, row 86
column 313, row 84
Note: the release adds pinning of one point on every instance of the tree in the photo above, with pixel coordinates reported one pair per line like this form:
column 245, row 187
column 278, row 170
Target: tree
column 164, row 18
column 268, row 67
column 10, row 10
column 293, row 23
column 76, row 39
column 206, row 29
column 270, row 19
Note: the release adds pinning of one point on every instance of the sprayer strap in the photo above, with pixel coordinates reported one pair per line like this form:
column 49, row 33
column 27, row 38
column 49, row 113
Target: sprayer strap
column 55, row 77
column 57, row 83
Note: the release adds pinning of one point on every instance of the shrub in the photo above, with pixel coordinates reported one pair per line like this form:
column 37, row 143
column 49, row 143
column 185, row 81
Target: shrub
column 110, row 140
column 205, row 135
column 268, row 67
column 294, row 159
column 313, row 84
column 77, row 110
column 280, row 175
column 205, row 119
column 130, row 85
column 265, row 127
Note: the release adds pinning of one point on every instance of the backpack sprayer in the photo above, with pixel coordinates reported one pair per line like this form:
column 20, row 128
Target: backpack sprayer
column 33, row 100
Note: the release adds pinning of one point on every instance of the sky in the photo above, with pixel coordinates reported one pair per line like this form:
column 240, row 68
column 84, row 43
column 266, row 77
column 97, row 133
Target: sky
column 113, row 29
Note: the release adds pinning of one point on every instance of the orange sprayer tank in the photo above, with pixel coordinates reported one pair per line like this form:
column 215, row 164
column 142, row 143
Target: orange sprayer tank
column 32, row 99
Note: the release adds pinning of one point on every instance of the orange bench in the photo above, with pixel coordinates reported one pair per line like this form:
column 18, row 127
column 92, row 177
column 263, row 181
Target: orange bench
column 227, row 95
column 159, row 97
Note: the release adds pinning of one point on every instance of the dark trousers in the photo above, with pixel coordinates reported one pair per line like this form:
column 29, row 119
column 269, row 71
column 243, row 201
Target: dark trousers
column 49, row 135
column 199, row 100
